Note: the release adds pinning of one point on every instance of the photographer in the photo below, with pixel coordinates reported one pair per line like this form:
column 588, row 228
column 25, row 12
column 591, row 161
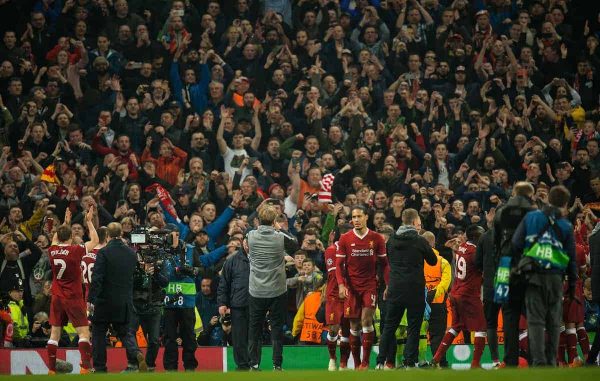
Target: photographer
column 149, row 280
column 232, row 297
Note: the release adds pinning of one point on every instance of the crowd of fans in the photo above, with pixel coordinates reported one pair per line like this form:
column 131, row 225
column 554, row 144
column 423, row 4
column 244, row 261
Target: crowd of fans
column 197, row 111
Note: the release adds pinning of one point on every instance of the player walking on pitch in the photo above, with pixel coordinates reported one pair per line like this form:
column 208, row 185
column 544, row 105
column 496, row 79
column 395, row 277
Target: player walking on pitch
column 334, row 309
column 67, row 292
column 359, row 250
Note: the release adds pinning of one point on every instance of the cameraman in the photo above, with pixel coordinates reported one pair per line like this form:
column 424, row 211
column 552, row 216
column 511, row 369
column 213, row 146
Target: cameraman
column 232, row 297
column 149, row 280
column 180, row 302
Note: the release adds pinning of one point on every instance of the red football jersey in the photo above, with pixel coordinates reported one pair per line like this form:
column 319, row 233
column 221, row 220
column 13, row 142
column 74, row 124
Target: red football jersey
column 65, row 261
column 330, row 261
column 87, row 266
column 467, row 277
column 359, row 256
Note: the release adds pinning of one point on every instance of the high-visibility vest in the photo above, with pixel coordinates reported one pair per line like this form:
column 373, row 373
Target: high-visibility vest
column 311, row 328
column 433, row 276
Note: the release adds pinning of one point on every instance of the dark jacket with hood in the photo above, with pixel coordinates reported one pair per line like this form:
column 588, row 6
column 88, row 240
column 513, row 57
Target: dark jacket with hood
column 407, row 251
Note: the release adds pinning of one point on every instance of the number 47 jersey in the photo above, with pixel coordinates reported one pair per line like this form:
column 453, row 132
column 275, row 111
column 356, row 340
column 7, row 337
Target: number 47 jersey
column 467, row 277
column 65, row 261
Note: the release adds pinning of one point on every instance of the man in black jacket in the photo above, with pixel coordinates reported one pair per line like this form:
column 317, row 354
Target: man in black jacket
column 506, row 220
column 595, row 264
column 406, row 252
column 110, row 300
column 232, row 297
column 485, row 259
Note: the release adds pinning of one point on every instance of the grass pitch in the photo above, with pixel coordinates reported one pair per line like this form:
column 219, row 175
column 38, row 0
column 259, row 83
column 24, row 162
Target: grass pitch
column 587, row 374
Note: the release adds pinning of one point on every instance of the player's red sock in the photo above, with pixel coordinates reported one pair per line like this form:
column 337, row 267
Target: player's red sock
column 368, row 338
column 332, row 346
column 85, row 349
column 344, row 350
column 52, row 347
column 571, row 334
column 562, row 347
column 355, row 347
column 444, row 345
column 479, row 346
column 584, row 341
column 524, row 342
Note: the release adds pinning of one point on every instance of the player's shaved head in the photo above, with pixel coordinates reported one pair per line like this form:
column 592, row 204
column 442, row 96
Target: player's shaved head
column 114, row 230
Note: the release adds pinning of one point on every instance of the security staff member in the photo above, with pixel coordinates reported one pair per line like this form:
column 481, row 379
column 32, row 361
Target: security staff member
column 437, row 282
column 111, row 298
column 546, row 239
column 232, row 297
column 406, row 251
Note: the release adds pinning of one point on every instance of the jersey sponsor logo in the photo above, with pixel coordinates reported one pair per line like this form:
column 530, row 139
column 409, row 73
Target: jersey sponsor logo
column 361, row 252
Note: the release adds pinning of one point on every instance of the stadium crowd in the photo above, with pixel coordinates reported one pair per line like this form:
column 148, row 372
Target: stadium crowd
column 192, row 115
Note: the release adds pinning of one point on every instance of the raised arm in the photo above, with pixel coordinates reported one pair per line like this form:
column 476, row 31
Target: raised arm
column 94, row 240
column 225, row 114
column 257, row 129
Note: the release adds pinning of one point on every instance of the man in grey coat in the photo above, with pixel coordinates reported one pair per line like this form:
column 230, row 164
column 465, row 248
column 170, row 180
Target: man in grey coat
column 267, row 287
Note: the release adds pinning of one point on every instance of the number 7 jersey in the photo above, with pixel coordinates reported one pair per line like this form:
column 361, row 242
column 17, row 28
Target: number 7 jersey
column 65, row 261
column 467, row 277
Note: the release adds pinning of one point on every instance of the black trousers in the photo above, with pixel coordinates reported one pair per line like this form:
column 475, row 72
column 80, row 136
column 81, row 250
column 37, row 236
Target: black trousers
column 151, row 326
column 511, row 314
column 239, row 336
column 491, row 311
column 395, row 310
column 593, row 355
column 179, row 322
column 438, row 320
column 99, row 342
column 258, row 308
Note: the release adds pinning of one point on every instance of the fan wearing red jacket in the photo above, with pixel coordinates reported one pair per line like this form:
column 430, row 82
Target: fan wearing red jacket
column 359, row 250
column 467, row 309
column 67, row 292
column 334, row 308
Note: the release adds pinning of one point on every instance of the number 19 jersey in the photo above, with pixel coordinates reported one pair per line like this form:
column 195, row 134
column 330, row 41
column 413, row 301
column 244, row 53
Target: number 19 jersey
column 65, row 261
column 467, row 277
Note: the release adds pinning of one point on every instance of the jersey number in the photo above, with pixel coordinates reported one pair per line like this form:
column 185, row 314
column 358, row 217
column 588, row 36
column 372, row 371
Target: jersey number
column 63, row 267
column 87, row 272
column 461, row 268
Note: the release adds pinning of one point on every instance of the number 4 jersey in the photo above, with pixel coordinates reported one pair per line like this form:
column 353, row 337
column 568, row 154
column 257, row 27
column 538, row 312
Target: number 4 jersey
column 467, row 277
column 65, row 261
